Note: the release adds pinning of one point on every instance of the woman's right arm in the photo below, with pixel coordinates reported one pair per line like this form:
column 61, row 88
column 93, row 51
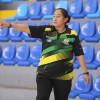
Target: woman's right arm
column 19, row 27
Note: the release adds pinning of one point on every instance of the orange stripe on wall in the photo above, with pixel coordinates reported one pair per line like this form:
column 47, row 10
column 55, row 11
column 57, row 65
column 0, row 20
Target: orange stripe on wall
column 7, row 13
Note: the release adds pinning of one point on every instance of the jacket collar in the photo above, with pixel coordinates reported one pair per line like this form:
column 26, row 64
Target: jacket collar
column 68, row 30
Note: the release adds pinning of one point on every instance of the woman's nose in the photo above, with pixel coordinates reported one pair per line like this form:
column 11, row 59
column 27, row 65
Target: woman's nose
column 55, row 18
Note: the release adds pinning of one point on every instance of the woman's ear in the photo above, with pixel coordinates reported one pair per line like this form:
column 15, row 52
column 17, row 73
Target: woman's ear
column 66, row 19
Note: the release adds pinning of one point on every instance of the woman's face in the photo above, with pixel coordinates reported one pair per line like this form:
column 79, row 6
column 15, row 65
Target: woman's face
column 58, row 19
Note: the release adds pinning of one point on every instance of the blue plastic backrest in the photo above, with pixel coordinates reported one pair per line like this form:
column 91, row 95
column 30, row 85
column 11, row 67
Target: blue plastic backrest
column 74, row 58
column 13, row 32
column 80, row 84
column 97, row 84
column 75, row 26
column 4, row 32
column 44, row 23
column 89, row 53
column 76, row 6
column 35, row 9
column 48, row 8
column 36, row 52
column 62, row 4
column 31, row 24
column 91, row 6
column 22, row 10
column 23, row 52
column 6, row 1
column 98, row 55
column 9, row 52
column 98, row 30
column 88, row 28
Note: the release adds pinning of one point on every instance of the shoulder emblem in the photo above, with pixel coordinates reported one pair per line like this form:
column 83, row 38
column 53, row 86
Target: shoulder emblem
column 47, row 29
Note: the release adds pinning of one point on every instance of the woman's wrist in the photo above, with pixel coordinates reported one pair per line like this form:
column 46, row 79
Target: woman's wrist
column 86, row 73
column 9, row 25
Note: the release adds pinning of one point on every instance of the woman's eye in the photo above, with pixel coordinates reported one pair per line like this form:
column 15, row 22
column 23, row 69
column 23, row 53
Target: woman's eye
column 58, row 16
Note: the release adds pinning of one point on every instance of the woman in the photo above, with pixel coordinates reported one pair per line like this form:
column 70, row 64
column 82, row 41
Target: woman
column 55, row 69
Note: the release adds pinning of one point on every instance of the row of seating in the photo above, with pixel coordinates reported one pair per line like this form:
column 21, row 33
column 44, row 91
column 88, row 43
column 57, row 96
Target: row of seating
column 88, row 32
column 36, row 12
column 17, row 36
column 9, row 1
column 87, row 92
column 92, row 61
column 23, row 56
column 91, row 9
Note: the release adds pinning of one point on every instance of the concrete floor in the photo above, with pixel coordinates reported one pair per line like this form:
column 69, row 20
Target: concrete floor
column 22, row 94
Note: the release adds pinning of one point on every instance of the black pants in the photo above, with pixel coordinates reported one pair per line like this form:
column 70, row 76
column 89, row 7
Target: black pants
column 62, row 88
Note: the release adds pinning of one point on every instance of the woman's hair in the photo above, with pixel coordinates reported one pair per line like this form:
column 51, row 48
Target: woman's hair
column 64, row 13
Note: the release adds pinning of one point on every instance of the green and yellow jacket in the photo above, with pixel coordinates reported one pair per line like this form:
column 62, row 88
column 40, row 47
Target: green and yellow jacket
column 56, row 60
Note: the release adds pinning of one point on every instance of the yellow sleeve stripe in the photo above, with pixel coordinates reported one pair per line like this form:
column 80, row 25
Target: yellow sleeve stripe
column 73, row 32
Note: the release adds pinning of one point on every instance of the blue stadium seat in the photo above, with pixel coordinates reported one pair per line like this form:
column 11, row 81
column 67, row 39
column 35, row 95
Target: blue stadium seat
column 44, row 23
column 35, row 55
column 35, row 11
column 60, row 4
column 4, row 34
column 76, row 7
column 47, row 9
column 96, row 62
column 91, row 7
column 35, row 64
column 80, row 86
column 22, row 11
column 8, row 54
column 88, row 31
column 98, row 32
column 74, row 58
column 89, row 55
column 14, row 35
column 95, row 15
column 26, row 37
column 95, row 93
column 76, row 64
column 22, row 54
column 75, row 26
column 6, row 1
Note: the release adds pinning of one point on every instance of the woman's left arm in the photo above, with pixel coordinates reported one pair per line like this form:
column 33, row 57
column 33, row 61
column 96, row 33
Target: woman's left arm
column 83, row 66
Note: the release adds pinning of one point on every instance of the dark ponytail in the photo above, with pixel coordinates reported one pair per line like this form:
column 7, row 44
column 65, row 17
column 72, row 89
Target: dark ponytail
column 65, row 14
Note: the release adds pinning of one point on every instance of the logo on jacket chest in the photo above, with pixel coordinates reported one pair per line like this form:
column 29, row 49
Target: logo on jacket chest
column 48, row 39
column 66, row 41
